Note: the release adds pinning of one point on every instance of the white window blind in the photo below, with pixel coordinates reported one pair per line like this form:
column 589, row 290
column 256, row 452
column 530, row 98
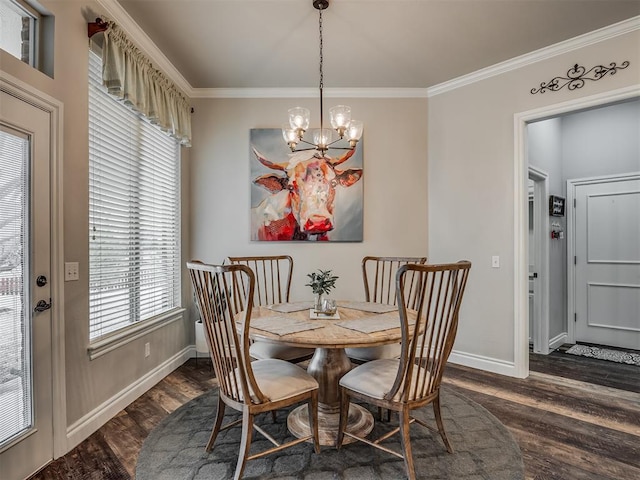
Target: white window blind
column 134, row 214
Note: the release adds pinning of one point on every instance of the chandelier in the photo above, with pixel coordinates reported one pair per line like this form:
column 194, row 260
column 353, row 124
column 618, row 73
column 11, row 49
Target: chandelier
column 323, row 138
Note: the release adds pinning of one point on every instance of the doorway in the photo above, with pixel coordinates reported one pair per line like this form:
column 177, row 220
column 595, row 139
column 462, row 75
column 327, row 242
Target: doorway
column 538, row 252
column 31, row 418
column 521, row 162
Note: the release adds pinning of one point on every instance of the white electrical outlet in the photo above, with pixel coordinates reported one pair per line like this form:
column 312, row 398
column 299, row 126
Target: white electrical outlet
column 495, row 261
column 147, row 349
column 71, row 271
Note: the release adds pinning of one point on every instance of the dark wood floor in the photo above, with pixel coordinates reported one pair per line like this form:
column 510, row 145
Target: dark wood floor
column 574, row 418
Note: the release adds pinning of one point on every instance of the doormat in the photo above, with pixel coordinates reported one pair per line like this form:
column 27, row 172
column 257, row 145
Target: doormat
column 605, row 354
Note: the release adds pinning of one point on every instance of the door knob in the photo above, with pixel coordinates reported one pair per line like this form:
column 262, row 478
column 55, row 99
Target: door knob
column 41, row 281
column 42, row 305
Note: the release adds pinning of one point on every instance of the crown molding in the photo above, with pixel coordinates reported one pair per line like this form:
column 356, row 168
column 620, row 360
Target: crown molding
column 596, row 36
column 309, row 93
column 115, row 12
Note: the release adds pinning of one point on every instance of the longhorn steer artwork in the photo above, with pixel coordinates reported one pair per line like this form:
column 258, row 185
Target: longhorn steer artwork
column 302, row 194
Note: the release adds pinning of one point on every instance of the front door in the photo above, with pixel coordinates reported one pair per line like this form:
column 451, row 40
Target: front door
column 26, row 420
column 607, row 263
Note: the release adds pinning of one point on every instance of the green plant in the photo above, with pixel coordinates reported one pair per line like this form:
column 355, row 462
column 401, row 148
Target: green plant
column 321, row 283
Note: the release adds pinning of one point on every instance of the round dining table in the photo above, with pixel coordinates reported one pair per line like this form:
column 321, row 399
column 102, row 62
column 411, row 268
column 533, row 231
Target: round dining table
column 329, row 337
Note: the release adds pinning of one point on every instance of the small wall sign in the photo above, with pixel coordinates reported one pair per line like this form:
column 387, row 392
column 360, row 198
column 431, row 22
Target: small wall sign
column 556, row 206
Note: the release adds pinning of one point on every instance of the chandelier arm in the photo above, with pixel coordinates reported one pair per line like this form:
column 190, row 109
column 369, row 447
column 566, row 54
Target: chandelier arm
column 334, row 142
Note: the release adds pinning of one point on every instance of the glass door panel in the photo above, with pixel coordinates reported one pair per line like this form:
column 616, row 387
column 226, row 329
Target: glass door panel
column 16, row 410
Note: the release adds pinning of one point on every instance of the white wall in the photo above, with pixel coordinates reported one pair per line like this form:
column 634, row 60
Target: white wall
column 545, row 152
column 471, row 182
column 601, row 141
column 395, row 186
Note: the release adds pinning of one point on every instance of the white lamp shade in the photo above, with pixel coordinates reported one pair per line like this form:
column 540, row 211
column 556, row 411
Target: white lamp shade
column 323, row 137
column 299, row 118
column 354, row 131
column 340, row 116
column 289, row 134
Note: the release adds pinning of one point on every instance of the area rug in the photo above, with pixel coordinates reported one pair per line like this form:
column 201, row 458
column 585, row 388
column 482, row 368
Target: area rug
column 619, row 356
column 484, row 448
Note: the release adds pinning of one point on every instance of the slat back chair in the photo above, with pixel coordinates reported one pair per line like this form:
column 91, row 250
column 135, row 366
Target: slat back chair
column 379, row 276
column 246, row 386
column 412, row 381
column 273, row 283
column 273, row 277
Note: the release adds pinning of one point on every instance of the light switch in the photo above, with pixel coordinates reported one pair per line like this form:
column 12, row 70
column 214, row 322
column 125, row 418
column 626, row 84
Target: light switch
column 495, row 261
column 71, row 271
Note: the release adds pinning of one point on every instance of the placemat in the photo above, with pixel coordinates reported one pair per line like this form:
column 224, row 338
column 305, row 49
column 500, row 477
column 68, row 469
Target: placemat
column 369, row 307
column 373, row 323
column 282, row 325
column 290, row 307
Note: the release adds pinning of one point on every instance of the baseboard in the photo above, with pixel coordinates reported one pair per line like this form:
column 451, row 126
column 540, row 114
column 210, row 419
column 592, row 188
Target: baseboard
column 558, row 341
column 480, row 362
column 100, row 415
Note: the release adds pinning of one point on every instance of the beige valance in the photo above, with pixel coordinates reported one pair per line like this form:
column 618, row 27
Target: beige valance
column 129, row 75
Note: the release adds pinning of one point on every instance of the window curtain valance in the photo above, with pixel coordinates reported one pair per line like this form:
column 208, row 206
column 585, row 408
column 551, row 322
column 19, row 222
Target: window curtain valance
column 129, row 75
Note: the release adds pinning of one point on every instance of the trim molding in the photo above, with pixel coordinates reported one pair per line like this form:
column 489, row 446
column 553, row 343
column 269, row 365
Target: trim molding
column 481, row 362
column 557, row 341
column 581, row 41
column 308, row 93
column 96, row 418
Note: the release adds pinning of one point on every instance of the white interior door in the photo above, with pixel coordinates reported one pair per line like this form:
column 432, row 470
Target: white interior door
column 607, row 263
column 26, row 420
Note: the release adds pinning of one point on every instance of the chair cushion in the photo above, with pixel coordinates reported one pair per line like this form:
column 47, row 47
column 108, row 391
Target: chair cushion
column 265, row 350
column 366, row 354
column 279, row 379
column 376, row 378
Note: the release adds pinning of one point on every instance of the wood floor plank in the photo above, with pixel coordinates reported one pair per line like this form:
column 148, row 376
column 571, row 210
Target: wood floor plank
column 573, row 419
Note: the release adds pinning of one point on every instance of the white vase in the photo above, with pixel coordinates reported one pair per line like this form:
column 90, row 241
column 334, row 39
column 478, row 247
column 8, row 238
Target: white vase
column 201, row 341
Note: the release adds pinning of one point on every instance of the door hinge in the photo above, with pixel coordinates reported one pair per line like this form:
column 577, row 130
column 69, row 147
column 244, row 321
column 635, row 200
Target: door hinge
column 575, row 260
column 575, row 317
column 574, row 203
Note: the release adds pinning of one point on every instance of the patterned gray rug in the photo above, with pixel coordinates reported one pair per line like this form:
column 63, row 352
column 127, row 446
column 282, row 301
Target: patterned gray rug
column 484, row 448
column 619, row 356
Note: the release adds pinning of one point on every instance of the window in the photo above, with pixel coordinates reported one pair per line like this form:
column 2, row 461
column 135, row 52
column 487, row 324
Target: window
column 134, row 215
column 18, row 30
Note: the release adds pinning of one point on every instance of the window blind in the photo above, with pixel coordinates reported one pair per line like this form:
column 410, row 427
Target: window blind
column 134, row 214
column 16, row 414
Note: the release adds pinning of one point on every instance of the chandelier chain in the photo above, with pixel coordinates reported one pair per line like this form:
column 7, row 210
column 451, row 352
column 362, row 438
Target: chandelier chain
column 321, row 44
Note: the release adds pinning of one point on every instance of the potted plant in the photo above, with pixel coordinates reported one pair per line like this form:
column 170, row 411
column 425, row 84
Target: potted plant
column 321, row 284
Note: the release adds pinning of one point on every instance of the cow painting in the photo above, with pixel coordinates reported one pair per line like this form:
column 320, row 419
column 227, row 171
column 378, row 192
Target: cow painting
column 299, row 196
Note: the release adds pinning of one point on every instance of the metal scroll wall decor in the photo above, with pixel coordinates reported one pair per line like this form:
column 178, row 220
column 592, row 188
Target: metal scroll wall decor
column 577, row 75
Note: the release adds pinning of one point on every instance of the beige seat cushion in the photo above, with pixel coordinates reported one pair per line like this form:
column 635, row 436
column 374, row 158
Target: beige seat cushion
column 265, row 350
column 279, row 379
column 376, row 378
column 366, row 354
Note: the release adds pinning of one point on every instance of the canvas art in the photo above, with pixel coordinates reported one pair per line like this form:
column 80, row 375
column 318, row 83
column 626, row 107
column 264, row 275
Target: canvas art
column 304, row 196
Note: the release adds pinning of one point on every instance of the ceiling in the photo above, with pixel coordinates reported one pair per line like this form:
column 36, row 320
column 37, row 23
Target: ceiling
column 367, row 43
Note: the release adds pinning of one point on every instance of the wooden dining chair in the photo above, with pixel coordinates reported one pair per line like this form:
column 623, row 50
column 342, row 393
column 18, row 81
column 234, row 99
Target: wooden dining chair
column 413, row 380
column 379, row 278
column 273, row 284
column 246, row 386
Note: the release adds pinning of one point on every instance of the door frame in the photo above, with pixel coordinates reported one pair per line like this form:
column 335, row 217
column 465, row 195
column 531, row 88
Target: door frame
column 521, row 202
column 540, row 231
column 31, row 95
column 572, row 184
